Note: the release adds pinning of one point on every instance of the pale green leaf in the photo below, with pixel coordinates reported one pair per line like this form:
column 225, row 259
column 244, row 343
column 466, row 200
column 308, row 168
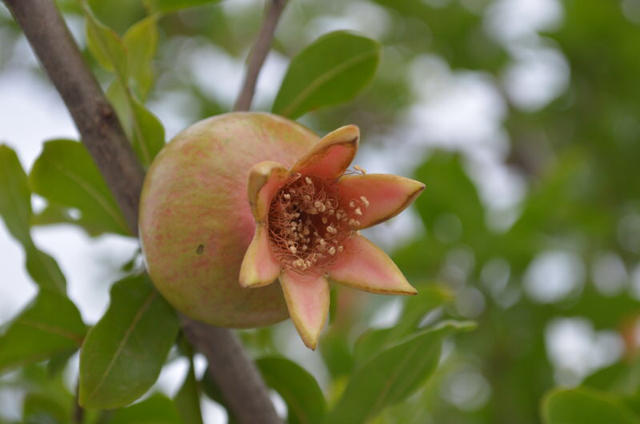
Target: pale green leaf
column 105, row 45
column 140, row 42
column 148, row 133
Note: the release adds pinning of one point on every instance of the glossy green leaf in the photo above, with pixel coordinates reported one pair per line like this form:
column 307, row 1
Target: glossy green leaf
column 304, row 398
column 123, row 354
column 392, row 375
column 15, row 210
column 66, row 175
column 585, row 406
column 148, row 133
column 187, row 400
column 105, row 45
column 331, row 70
column 48, row 326
column 175, row 5
column 158, row 409
column 140, row 41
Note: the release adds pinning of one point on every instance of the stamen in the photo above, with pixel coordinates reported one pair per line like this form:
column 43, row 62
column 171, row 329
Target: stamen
column 308, row 222
column 361, row 170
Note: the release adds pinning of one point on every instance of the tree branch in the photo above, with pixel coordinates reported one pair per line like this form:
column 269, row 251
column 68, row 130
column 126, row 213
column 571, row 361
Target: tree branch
column 259, row 53
column 103, row 136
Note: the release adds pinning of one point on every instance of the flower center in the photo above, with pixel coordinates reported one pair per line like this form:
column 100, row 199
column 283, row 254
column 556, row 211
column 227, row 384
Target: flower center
column 308, row 222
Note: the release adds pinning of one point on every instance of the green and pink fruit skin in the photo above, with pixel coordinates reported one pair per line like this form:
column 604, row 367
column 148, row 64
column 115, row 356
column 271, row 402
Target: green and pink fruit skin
column 195, row 222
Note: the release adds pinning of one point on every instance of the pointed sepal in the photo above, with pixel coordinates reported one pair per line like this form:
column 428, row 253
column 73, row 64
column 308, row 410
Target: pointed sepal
column 332, row 155
column 265, row 179
column 362, row 265
column 307, row 297
column 386, row 195
column 259, row 266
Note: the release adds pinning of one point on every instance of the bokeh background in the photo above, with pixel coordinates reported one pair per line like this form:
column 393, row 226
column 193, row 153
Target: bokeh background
column 522, row 117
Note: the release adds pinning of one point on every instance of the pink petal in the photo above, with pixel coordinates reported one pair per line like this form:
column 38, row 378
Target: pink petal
column 265, row 178
column 386, row 195
column 307, row 298
column 332, row 155
column 259, row 266
column 364, row 266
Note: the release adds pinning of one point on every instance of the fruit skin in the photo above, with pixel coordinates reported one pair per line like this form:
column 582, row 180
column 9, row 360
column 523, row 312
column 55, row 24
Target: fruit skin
column 195, row 222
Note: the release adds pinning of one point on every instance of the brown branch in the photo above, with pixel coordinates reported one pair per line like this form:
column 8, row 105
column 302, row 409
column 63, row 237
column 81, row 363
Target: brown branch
column 259, row 53
column 235, row 396
column 103, row 136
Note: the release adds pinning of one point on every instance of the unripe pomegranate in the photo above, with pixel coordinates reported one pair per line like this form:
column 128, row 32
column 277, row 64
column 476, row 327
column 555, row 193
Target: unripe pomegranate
column 238, row 201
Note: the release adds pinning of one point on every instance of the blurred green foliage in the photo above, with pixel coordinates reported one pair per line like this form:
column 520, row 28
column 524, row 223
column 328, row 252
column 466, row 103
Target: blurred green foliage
column 575, row 155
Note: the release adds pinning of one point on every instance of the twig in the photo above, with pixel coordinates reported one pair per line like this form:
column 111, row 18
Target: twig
column 259, row 53
column 103, row 136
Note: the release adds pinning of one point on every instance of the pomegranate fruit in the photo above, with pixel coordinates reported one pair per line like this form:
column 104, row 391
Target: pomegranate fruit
column 241, row 200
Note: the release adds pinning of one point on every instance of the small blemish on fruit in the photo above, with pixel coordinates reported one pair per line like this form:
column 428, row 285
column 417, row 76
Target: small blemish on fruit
column 200, row 249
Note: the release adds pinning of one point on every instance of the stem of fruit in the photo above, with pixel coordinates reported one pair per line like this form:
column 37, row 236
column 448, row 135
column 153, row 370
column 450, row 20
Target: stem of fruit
column 102, row 134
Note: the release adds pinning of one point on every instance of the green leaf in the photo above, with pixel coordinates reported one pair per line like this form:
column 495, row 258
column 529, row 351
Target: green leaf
column 15, row 209
column 140, row 42
column 142, row 127
column 175, row 5
column 105, row 45
column 331, row 70
column 298, row 388
column 415, row 308
column 39, row 408
column 148, row 133
column 392, row 375
column 187, row 400
column 66, row 175
column 585, row 406
column 158, row 409
column 123, row 354
column 44, row 269
column 15, row 197
column 48, row 326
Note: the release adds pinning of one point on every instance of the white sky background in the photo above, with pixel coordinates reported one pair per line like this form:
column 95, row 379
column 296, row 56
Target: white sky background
column 459, row 110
